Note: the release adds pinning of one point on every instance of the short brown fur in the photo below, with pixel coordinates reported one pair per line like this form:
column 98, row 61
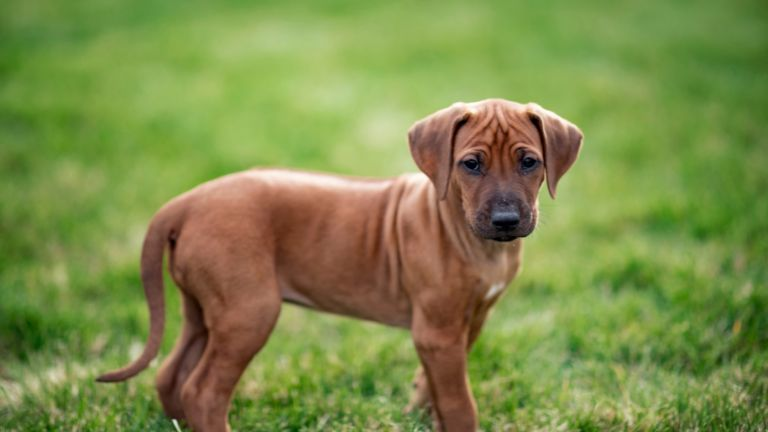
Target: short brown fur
column 429, row 253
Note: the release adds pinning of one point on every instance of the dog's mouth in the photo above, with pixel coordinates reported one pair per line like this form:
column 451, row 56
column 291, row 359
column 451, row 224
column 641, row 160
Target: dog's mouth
column 500, row 235
column 503, row 238
column 509, row 236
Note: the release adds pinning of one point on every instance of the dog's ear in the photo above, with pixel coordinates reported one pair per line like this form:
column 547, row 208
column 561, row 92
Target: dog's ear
column 561, row 141
column 432, row 141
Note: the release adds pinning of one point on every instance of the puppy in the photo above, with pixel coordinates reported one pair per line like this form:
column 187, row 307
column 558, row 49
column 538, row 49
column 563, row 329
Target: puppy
column 429, row 252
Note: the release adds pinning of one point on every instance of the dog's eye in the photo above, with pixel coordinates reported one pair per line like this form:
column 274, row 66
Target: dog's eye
column 528, row 163
column 471, row 164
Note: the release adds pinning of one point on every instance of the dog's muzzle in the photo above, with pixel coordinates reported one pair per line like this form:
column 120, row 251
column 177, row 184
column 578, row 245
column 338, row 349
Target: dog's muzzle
column 504, row 223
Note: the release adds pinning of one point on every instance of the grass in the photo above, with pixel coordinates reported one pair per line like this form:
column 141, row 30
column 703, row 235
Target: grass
column 643, row 304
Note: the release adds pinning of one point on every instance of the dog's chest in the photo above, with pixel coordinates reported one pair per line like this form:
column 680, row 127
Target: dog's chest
column 494, row 290
column 496, row 273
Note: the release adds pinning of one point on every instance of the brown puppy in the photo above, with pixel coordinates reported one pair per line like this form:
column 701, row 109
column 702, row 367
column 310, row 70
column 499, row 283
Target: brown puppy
column 429, row 253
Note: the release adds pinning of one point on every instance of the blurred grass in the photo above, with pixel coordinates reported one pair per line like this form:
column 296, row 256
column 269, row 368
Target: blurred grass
column 643, row 301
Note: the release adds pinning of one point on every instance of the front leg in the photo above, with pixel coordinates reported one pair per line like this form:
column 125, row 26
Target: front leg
column 420, row 399
column 443, row 352
column 420, row 395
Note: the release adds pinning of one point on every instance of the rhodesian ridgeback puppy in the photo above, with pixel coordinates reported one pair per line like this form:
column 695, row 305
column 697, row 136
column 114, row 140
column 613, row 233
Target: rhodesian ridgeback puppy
column 431, row 253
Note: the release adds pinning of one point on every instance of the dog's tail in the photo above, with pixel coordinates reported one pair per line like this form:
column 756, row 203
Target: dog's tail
column 158, row 235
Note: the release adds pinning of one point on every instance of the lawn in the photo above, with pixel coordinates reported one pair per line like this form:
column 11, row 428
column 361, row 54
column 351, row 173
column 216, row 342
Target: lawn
column 643, row 302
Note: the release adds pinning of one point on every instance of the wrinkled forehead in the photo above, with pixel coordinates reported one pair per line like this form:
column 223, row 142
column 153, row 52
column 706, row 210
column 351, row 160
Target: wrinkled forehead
column 498, row 123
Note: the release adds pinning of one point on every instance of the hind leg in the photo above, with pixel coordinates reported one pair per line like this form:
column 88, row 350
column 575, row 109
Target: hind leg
column 176, row 368
column 238, row 329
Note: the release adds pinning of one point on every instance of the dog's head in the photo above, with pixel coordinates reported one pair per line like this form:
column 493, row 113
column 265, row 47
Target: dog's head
column 495, row 154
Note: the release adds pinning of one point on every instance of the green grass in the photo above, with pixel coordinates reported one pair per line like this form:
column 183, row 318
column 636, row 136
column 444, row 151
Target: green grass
column 643, row 303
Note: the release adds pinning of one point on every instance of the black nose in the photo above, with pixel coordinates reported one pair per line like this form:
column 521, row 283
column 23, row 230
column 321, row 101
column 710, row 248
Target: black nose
column 505, row 219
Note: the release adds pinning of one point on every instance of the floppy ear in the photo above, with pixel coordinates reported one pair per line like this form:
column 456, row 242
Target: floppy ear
column 432, row 140
column 561, row 140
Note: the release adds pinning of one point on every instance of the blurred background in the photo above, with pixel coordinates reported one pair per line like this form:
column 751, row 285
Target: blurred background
column 642, row 302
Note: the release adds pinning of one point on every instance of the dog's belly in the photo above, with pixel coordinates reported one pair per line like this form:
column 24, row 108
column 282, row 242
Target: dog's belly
column 290, row 295
column 362, row 302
